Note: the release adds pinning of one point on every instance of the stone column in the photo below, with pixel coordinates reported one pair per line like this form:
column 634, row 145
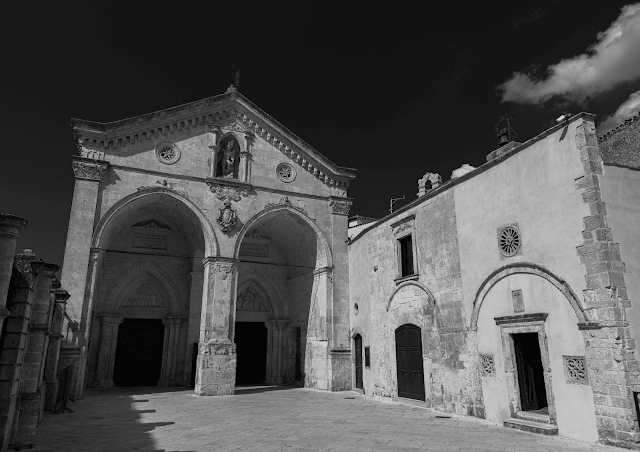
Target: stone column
column 271, row 354
column 280, row 351
column 172, row 340
column 215, row 131
column 10, row 227
column 53, row 352
column 193, row 328
column 338, row 314
column 75, row 268
column 245, row 159
column 107, row 352
column 32, row 388
column 216, row 368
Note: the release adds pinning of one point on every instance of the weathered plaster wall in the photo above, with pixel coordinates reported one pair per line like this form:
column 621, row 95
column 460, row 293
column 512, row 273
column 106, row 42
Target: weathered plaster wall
column 536, row 189
column 360, row 270
column 621, row 195
column 573, row 402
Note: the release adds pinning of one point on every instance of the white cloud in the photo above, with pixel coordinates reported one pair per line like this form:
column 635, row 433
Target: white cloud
column 613, row 59
column 628, row 109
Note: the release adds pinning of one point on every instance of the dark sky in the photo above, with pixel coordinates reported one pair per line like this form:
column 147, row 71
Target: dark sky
column 393, row 89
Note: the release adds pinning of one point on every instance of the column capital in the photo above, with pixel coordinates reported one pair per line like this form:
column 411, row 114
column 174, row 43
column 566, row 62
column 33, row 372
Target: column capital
column 11, row 225
column 340, row 206
column 212, row 260
column 89, row 169
column 44, row 268
column 62, row 296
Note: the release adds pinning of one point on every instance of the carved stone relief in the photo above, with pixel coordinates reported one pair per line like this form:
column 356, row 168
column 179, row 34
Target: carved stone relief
column 250, row 300
column 92, row 171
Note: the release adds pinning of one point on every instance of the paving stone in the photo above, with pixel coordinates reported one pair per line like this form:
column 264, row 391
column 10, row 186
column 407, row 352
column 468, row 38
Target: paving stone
column 278, row 419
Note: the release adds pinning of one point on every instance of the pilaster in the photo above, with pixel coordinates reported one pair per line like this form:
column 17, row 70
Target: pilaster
column 53, row 352
column 614, row 371
column 216, row 367
column 339, row 306
column 10, row 227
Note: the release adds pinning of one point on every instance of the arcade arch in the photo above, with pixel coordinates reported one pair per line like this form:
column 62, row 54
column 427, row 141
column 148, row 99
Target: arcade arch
column 147, row 277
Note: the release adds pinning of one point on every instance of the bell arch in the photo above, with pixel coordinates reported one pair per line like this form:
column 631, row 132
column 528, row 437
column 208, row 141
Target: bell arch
column 530, row 269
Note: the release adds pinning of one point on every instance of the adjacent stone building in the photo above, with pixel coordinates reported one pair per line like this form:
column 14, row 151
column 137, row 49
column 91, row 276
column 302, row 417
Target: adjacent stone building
column 508, row 293
column 207, row 246
column 31, row 312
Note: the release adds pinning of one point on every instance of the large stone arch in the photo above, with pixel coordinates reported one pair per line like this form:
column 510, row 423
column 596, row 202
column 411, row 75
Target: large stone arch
column 530, row 269
column 324, row 259
column 210, row 240
column 132, row 274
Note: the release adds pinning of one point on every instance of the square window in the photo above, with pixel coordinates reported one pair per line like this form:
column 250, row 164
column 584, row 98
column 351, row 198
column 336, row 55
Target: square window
column 406, row 256
column 367, row 357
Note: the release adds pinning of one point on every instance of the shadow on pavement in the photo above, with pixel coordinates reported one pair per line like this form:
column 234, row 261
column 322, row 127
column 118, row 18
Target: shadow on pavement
column 105, row 420
column 255, row 389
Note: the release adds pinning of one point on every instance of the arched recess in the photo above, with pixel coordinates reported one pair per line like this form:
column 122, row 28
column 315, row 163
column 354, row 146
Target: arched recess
column 411, row 283
column 324, row 257
column 257, row 287
column 106, row 227
column 271, row 290
column 128, row 278
column 530, row 269
column 357, row 330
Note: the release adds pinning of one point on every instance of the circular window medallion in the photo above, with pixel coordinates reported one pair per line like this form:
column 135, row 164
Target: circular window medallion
column 509, row 241
column 286, row 173
column 168, row 153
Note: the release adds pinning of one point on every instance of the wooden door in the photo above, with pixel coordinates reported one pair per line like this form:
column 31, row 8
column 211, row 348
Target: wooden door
column 409, row 362
column 138, row 352
column 358, row 341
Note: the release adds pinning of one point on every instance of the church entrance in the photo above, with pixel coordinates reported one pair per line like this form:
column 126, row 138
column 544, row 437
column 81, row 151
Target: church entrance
column 251, row 343
column 533, row 393
column 409, row 362
column 139, row 353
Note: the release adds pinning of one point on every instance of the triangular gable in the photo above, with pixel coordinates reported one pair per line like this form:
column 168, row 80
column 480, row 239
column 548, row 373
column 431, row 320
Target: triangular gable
column 229, row 110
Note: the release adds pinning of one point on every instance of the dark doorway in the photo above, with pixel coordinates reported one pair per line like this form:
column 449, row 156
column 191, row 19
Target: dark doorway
column 533, row 394
column 251, row 343
column 409, row 362
column 358, row 341
column 138, row 353
column 194, row 365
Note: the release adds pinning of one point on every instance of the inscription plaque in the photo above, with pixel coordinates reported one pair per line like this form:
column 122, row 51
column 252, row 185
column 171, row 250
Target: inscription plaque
column 254, row 249
column 150, row 240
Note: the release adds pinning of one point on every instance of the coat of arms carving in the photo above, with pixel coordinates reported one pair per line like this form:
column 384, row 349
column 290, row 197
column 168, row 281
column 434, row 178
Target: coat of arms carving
column 227, row 218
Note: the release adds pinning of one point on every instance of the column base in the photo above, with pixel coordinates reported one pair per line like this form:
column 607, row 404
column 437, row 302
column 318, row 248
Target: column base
column 50, row 397
column 216, row 369
column 25, row 434
column 340, row 364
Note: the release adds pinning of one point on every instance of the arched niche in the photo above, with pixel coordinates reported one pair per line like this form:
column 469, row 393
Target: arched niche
column 134, row 276
column 253, row 304
column 228, row 156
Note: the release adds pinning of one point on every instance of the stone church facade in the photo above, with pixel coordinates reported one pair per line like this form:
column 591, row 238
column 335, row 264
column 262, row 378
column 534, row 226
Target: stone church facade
column 208, row 247
column 509, row 293
column 202, row 239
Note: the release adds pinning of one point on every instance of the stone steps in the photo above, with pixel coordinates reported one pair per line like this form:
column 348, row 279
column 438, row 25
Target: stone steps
column 531, row 426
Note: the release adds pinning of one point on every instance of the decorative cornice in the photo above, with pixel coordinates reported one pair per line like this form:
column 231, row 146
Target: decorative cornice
column 522, row 318
column 228, row 190
column 340, row 207
column 11, row 225
column 89, row 169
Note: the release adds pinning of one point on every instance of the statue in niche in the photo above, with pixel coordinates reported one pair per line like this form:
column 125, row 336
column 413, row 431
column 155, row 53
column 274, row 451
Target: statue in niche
column 227, row 164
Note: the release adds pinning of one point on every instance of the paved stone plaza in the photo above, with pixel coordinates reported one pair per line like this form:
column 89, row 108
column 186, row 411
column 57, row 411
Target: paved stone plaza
column 272, row 419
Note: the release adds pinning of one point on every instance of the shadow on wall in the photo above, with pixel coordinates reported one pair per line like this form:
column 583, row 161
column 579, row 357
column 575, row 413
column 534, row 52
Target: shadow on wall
column 106, row 420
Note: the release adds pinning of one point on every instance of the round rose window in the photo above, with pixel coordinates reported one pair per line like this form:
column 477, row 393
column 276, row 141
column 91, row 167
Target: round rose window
column 168, row 153
column 286, row 173
column 509, row 241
